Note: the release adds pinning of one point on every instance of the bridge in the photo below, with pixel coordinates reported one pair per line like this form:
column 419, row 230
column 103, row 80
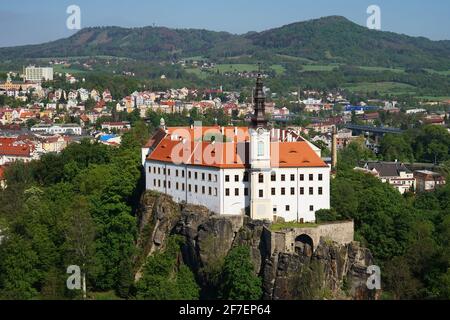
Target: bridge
column 378, row 131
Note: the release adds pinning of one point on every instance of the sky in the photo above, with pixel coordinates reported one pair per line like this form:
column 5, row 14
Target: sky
column 31, row 22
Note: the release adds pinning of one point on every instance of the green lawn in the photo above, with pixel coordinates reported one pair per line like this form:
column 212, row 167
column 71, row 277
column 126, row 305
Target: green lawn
column 376, row 69
column 381, row 87
column 237, row 67
column 61, row 69
column 319, row 67
column 434, row 98
column 442, row 73
column 289, row 225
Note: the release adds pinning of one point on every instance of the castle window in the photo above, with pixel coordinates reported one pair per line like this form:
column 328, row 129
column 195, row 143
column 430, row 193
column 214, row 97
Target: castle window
column 283, row 177
column 149, row 169
column 176, row 186
column 154, row 182
column 302, row 190
column 227, row 192
column 311, row 191
column 203, row 190
column 292, row 177
column 236, row 178
column 196, row 188
column 182, row 173
column 215, row 178
column 159, row 183
column 168, row 184
column 209, row 177
column 261, row 178
column 164, row 171
column 261, row 193
column 302, row 177
column 311, row 208
column 190, row 188
column 320, row 190
column 203, row 176
column 164, row 183
column 283, row 191
column 260, row 148
column 288, row 208
column 273, row 177
column 292, row 191
column 159, row 170
column 182, row 186
column 195, row 175
column 236, row 192
column 168, row 172
column 273, row 191
column 245, row 176
column 215, row 192
column 210, row 191
column 311, row 177
column 227, row 178
column 154, row 170
column 320, row 177
column 176, row 173
column 189, row 174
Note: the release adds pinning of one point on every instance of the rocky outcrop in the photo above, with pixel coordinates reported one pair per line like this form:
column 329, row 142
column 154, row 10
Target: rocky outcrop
column 332, row 271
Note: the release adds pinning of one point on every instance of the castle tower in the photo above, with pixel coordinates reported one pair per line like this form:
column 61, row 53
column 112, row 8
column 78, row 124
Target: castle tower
column 260, row 164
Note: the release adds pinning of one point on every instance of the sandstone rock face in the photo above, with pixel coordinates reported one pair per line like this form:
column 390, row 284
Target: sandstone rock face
column 332, row 271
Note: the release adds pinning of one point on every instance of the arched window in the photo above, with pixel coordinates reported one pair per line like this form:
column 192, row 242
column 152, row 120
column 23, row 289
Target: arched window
column 260, row 148
column 261, row 178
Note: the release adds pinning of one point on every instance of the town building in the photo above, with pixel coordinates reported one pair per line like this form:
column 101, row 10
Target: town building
column 63, row 129
column 394, row 173
column 268, row 174
column 116, row 126
column 428, row 180
column 38, row 74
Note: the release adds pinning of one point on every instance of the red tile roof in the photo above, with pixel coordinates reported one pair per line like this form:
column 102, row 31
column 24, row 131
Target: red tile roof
column 175, row 148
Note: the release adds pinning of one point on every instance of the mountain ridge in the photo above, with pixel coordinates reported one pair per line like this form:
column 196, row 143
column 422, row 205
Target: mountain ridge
column 332, row 39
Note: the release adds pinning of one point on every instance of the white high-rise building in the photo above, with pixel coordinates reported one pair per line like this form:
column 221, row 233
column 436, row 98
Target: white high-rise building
column 37, row 74
column 262, row 172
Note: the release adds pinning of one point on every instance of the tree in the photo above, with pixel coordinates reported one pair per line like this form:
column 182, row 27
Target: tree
column 80, row 235
column 239, row 281
column 164, row 278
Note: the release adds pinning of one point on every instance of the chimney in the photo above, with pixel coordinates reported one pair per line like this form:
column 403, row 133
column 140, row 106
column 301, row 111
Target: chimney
column 334, row 149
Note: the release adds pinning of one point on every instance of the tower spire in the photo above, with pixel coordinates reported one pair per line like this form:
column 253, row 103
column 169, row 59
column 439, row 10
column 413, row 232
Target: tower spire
column 259, row 101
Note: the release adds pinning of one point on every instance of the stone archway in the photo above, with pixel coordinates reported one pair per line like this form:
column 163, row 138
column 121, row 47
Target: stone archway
column 304, row 245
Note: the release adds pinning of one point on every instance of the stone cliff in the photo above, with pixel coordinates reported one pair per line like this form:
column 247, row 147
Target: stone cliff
column 331, row 271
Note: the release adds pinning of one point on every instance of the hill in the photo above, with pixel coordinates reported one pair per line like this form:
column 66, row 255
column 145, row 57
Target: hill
column 331, row 39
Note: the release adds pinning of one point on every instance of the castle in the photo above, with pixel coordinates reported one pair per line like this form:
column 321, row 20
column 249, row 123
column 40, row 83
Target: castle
column 264, row 172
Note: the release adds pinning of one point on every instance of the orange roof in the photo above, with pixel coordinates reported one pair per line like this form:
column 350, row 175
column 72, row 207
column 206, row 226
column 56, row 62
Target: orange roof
column 13, row 150
column 175, row 148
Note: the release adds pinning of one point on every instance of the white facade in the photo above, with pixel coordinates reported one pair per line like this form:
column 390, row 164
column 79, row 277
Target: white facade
column 294, row 194
column 58, row 129
column 37, row 74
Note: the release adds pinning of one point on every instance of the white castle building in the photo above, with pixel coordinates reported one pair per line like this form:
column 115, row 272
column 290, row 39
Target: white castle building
column 263, row 172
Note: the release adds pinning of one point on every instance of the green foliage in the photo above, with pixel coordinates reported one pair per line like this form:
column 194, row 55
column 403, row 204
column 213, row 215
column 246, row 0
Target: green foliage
column 165, row 278
column 409, row 237
column 73, row 208
column 239, row 281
